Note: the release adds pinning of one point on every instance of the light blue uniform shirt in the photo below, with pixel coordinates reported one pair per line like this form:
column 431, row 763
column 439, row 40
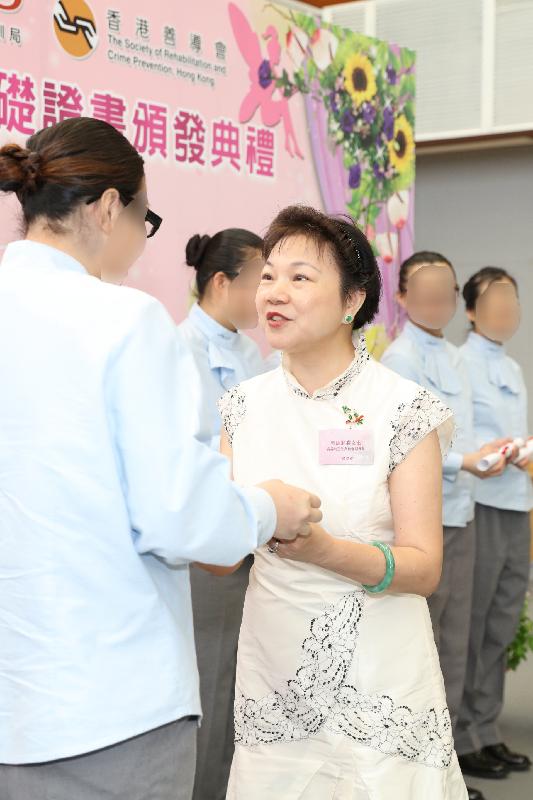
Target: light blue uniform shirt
column 500, row 410
column 224, row 358
column 105, row 498
column 437, row 365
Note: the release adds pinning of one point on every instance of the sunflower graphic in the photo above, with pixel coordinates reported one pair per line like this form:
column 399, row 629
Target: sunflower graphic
column 402, row 145
column 359, row 79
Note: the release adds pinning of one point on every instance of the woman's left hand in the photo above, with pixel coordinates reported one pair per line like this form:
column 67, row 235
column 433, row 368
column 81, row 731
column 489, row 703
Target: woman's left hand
column 523, row 463
column 311, row 549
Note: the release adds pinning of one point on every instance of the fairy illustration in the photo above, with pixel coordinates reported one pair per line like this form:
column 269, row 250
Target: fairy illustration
column 262, row 78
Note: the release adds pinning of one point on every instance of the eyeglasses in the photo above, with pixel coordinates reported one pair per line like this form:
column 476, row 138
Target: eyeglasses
column 153, row 221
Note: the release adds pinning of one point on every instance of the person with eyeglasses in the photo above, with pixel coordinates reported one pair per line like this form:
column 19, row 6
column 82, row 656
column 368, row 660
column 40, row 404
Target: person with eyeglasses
column 152, row 220
column 106, row 494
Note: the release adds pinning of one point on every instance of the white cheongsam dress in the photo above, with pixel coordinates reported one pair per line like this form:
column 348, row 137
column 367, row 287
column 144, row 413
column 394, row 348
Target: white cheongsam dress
column 339, row 693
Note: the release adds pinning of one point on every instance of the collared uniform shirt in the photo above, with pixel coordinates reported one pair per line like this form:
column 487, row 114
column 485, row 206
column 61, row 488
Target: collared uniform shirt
column 439, row 366
column 105, row 498
column 500, row 410
column 224, row 358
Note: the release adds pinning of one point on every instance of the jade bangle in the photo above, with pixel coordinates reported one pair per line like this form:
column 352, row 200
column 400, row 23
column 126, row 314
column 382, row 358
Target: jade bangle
column 389, row 572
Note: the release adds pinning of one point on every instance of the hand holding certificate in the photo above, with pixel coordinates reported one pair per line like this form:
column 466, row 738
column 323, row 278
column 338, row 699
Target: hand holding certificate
column 507, row 450
column 525, row 454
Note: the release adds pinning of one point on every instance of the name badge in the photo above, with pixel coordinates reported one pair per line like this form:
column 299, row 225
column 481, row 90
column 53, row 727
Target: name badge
column 346, row 446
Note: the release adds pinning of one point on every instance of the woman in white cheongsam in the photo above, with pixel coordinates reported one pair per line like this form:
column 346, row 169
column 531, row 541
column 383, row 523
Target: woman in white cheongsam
column 339, row 692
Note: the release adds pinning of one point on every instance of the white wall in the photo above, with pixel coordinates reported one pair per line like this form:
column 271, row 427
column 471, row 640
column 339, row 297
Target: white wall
column 477, row 209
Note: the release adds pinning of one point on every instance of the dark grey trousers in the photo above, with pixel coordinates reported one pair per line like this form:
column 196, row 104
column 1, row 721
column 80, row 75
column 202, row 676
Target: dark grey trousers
column 450, row 608
column 158, row 765
column 501, row 576
column 217, row 607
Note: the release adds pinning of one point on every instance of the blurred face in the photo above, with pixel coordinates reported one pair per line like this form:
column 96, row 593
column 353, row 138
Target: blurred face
column 497, row 312
column 299, row 298
column 241, row 291
column 126, row 237
column 430, row 297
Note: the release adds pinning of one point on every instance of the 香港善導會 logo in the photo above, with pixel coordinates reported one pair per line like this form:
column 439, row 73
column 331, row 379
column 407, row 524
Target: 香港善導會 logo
column 75, row 27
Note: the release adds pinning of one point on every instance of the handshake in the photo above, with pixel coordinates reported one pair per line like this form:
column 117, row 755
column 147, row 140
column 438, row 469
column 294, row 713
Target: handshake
column 296, row 509
column 491, row 460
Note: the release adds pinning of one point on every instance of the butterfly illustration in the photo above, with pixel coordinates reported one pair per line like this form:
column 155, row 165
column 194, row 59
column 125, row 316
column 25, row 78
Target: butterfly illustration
column 262, row 74
column 352, row 417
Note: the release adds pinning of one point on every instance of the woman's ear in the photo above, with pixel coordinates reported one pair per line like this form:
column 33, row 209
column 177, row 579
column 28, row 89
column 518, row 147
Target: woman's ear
column 108, row 209
column 355, row 301
column 219, row 281
column 471, row 315
column 401, row 300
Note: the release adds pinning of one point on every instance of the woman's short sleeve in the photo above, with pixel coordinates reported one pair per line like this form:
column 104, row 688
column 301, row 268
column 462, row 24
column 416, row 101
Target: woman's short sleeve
column 232, row 408
column 414, row 420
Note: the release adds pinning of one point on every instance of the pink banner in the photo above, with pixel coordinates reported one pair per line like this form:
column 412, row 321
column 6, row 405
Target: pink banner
column 218, row 97
column 172, row 78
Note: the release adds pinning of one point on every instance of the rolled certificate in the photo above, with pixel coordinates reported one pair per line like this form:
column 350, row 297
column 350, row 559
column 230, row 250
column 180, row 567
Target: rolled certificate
column 489, row 461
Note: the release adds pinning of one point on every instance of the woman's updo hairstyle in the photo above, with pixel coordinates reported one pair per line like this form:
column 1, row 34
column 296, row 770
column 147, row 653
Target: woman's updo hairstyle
column 19, row 169
column 418, row 259
column 67, row 164
column 351, row 249
column 483, row 278
column 225, row 252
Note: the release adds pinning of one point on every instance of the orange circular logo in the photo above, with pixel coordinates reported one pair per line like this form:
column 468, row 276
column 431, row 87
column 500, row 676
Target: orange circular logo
column 75, row 27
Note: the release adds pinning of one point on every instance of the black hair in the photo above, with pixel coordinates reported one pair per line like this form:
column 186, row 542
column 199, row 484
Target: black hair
column 66, row 164
column 224, row 252
column 351, row 249
column 472, row 288
column 417, row 259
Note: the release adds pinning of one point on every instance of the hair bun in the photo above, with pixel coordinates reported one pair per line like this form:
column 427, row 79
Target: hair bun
column 19, row 169
column 195, row 250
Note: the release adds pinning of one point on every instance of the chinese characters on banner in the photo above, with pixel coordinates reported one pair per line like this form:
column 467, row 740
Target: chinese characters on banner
column 187, row 137
column 172, row 78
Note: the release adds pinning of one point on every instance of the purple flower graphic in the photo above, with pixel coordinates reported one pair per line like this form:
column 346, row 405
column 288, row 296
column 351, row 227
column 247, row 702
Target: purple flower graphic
column 265, row 74
column 369, row 113
column 333, row 102
column 347, row 121
column 354, row 176
column 388, row 122
column 391, row 75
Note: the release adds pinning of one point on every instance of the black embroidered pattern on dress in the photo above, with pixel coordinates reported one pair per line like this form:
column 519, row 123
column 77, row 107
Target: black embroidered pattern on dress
column 413, row 421
column 332, row 390
column 319, row 698
column 232, row 410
